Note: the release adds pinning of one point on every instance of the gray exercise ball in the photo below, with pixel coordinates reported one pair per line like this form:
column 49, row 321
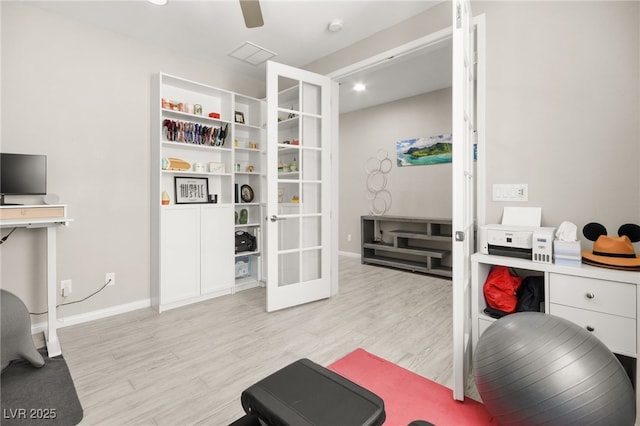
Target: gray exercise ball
column 531, row 368
column 15, row 332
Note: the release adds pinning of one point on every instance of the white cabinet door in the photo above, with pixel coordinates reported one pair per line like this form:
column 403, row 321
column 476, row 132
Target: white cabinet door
column 180, row 258
column 217, row 243
column 463, row 127
column 299, row 192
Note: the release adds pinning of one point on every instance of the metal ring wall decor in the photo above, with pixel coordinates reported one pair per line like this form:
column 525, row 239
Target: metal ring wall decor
column 377, row 169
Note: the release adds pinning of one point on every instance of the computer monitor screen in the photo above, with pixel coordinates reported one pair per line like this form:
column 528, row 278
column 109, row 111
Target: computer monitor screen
column 23, row 174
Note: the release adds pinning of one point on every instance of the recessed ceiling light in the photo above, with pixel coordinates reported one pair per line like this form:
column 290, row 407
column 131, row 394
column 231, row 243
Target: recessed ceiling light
column 158, row 2
column 335, row 25
column 359, row 87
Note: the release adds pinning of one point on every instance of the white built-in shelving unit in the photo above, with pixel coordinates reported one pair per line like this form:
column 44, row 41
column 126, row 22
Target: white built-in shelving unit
column 193, row 254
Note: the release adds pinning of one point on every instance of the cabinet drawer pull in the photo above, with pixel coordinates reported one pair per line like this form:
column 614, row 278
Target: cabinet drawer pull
column 590, row 295
column 590, row 328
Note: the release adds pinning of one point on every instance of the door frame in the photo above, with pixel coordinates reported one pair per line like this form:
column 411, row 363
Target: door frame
column 424, row 43
column 479, row 22
column 413, row 46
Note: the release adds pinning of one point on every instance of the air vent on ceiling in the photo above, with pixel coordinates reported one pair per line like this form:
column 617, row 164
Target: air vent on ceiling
column 251, row 53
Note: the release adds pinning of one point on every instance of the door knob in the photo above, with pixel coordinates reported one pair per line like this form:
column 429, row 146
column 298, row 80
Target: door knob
column 273, row 218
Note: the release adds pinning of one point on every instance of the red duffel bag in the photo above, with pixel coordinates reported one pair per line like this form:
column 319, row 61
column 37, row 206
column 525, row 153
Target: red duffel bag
column 500, row 289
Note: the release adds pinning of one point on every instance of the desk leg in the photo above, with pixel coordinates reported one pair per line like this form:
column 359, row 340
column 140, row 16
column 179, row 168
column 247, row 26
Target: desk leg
column 53, row 344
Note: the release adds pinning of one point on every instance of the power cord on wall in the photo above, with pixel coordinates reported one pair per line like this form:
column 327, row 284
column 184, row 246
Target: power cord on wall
column 7, row 236
column 3, row 239
column 75, row 301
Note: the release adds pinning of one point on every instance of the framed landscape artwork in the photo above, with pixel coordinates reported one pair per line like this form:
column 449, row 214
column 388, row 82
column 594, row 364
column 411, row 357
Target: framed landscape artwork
column 425, row 151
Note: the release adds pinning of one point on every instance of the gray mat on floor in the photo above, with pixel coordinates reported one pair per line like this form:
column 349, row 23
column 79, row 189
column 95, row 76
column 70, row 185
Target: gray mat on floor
column 44, row 396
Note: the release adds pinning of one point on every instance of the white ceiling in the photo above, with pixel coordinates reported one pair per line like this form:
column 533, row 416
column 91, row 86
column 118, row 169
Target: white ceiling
column 420, row 72
column 295, row 30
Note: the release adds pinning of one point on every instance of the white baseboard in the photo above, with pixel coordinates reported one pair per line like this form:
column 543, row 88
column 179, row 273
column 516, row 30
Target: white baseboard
column 119, row 309
column 94, row 315
column 39, row 327
column 349, row 254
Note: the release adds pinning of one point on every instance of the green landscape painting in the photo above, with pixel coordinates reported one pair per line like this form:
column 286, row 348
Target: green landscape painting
column 422, row 151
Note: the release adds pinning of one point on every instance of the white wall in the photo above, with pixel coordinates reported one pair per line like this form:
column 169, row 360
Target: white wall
column 423, row 191
column 563, row 102
column 81, row 96
column 562, row 108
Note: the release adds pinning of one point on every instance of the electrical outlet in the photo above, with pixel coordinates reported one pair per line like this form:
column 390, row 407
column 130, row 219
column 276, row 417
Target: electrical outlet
column 110, row 276
column 65, row 288
column 510, row 192
column 348, row 238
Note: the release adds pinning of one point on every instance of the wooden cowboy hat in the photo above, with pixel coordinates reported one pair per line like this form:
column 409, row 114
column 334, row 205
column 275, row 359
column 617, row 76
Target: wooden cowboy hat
column 612, row 252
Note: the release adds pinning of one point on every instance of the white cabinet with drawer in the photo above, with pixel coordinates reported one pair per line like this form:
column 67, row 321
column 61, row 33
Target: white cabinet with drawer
column 613, row 297
column 604, row 301
column 618, row 333
column 605, row 308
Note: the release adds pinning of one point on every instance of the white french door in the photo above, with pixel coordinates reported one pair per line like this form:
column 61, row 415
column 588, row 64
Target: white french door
column 463, row 127
column 298, row 220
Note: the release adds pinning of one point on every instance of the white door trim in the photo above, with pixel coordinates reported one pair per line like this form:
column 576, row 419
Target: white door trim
column 414, row 46
column 431, row 41
column 481, row 96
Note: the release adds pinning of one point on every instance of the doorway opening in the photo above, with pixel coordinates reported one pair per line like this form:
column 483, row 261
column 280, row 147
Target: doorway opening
column 406, row 86
column 403, row 57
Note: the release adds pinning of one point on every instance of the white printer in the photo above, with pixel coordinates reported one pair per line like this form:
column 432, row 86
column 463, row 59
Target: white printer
column 519, row 235
column 527, row 242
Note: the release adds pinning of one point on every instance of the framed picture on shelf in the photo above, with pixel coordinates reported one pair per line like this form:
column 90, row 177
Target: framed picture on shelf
column 191, row 190
column 246, row 193
column 239, row 117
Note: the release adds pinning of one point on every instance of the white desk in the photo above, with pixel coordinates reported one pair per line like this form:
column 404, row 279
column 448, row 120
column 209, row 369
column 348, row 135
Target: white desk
column 35, row 216
column 605, row 301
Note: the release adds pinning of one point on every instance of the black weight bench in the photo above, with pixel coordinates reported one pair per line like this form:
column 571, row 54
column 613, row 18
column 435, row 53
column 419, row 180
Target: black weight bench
column 305, row 393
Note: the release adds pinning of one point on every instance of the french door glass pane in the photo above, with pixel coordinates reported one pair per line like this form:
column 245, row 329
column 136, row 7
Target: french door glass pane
column 312, row 265
column 311, row 100
column 289, row 95
column 289, row 192
column 311, row 231
column 311, row 198
column 289, row 234
column 311, row 164
column 288, row 268
column 311, row 132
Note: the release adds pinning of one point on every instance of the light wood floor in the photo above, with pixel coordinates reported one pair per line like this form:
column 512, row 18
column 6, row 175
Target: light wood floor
column 189, row 365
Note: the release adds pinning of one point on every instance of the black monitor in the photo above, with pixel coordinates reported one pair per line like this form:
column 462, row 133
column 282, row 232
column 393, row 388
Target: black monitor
column 22, row 174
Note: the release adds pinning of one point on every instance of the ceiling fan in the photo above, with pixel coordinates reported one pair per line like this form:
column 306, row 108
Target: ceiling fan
column 252, row 13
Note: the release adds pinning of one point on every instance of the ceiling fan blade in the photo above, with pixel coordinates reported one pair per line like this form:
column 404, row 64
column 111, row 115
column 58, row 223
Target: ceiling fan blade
column 252, row 13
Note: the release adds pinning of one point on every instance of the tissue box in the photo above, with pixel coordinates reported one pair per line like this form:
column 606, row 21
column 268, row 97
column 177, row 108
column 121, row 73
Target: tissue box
column 566, row 248
column 566, row 261
column 567, row 253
